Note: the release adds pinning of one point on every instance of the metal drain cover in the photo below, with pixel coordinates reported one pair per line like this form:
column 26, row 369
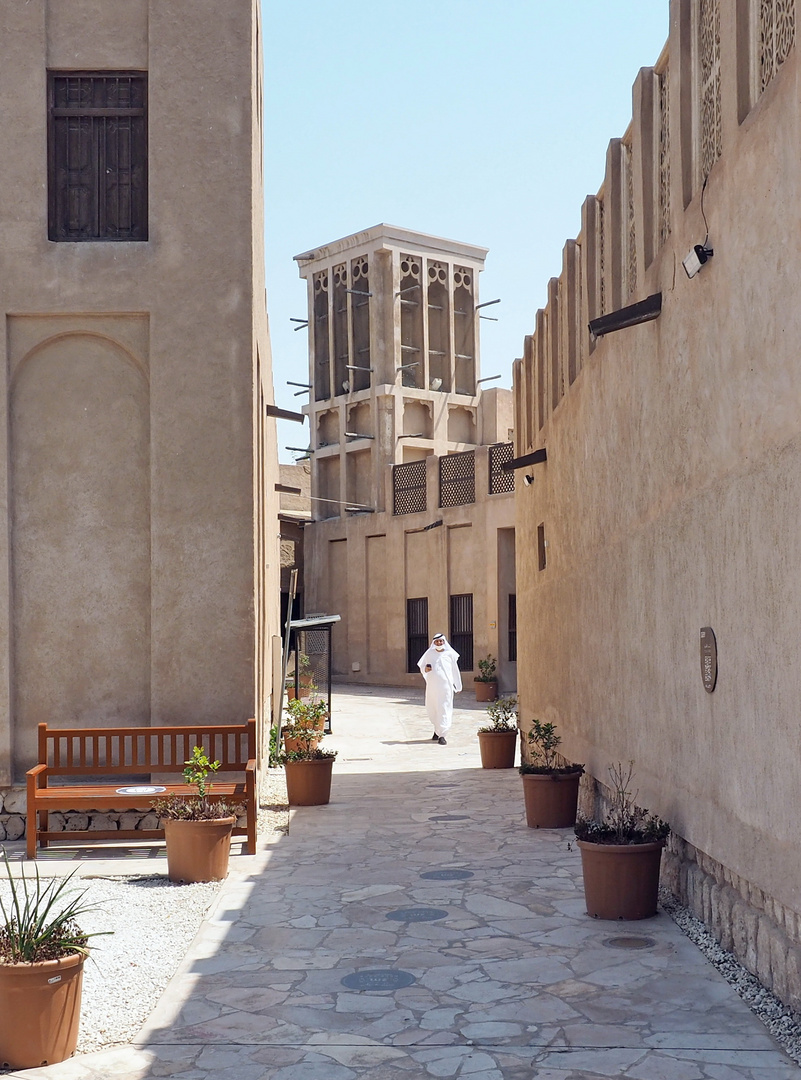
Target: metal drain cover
column 417, row 914
column 630, row 941
column 380, row 979
column 449, row 817
column 447, row 875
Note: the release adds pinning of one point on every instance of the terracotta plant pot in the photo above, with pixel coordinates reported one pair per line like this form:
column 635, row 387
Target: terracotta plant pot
column 290, row 693
column 198, row 850
column 551, row 799
column 292, row 743
column 497, row 749
column 41, row 1011
column 308, row 783
column 486, row 691
column 621, row 881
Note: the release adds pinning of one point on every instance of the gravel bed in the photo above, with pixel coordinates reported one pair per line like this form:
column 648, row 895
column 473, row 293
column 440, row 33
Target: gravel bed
column 154, row 923
column 783, row 1024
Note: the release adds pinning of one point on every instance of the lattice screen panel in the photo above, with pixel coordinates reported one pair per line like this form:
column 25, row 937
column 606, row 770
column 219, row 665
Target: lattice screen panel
column 457, row 479
column 409, row 487
column 500, row 482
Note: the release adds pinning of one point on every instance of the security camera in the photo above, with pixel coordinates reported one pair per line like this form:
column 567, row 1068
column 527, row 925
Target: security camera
column 695, row 259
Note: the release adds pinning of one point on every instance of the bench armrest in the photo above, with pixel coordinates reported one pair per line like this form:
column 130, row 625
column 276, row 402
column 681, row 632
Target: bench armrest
column 34, row 774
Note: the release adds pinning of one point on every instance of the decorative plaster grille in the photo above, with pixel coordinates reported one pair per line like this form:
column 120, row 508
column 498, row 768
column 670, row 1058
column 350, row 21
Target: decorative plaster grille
column 664, row 155
column 463, row 278
column 632, row 234
column 360, row 323
column 601, row 259
column 322, row 363
column 709, row 51
column 457, row 479
column 500, row 481
column 409, row 487
column 411, row 320
column 776, row 36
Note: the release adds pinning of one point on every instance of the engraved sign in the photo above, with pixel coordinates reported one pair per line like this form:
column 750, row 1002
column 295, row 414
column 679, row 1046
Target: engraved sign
column 417, row 914
column 380, row 979
column 709, row 658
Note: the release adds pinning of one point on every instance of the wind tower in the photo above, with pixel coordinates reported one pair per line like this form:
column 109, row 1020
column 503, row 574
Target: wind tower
column 393, row 360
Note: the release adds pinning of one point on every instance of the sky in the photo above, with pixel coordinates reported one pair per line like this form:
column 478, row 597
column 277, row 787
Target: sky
column 484, row 122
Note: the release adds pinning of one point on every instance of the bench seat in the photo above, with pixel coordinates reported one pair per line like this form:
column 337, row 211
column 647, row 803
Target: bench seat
column 78, row 755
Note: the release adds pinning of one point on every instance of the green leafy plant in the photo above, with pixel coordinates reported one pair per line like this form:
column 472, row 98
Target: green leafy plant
column 487, row 668
column 503, row 714
column 307, row 727
column 199, row 807
column 543, row 743
column 274, row 746
column 40, row 919
column 624, row 822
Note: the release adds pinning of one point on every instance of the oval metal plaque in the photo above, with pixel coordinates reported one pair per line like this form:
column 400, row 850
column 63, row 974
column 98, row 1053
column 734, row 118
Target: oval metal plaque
column 709, row 658
column 417, row 914
column 447, row 875
column 380, row 979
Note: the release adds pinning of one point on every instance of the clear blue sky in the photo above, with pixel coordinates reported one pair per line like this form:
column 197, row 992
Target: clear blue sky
column 477, row 121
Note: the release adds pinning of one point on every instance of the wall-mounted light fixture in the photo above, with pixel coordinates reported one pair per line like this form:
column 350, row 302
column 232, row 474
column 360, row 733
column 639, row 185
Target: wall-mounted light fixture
column 695, row 258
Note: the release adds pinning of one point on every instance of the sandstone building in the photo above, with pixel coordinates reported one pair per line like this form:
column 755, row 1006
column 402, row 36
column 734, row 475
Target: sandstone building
column 140, row 551
column 413, row 529
column 669, row 503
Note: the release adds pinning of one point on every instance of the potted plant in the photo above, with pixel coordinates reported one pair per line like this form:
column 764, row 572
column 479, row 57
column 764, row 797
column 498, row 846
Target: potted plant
column 307, row 767
column 42, row 952
column 486, row 682
column 497, row 741
column 621, row 855
column 307, row 724
column 550, row 790
column 197, row 830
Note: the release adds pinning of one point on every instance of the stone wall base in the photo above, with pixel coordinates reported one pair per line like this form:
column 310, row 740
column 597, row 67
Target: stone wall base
column 763, row 935
column 13, row 817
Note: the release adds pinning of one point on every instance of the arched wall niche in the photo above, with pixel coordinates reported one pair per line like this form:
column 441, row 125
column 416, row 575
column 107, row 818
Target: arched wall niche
column 79, row 479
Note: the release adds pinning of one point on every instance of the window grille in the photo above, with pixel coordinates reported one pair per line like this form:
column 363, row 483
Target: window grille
column 776, row 32
column 461, row 629
column 709, row 88
column 512, row 628
column 664, row 154
column 457, row 480
column 97, row 156
column 409, row 487
column 416, row 630
column 500, row 481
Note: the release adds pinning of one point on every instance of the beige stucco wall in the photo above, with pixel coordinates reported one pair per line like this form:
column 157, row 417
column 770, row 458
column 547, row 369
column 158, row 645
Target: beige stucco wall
column 671, row 499
column 365, row 566
column 142, row 544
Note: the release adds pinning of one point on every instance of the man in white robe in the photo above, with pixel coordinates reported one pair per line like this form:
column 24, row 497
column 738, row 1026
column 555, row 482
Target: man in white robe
column 440, row 669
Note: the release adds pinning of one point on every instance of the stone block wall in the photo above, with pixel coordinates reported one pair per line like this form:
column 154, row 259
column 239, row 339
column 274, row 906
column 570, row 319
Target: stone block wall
column 13, row 818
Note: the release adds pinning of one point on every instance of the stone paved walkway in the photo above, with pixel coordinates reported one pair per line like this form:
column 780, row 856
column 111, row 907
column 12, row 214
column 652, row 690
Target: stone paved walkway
column 510, row 981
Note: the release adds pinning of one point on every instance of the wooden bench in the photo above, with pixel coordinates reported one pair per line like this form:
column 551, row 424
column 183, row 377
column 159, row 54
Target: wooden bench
column 79, row 754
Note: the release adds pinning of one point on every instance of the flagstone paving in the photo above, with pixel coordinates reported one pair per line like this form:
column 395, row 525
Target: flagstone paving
column 508, row 978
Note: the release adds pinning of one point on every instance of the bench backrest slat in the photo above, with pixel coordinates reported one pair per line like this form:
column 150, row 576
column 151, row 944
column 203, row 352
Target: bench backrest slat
column 119, row 751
